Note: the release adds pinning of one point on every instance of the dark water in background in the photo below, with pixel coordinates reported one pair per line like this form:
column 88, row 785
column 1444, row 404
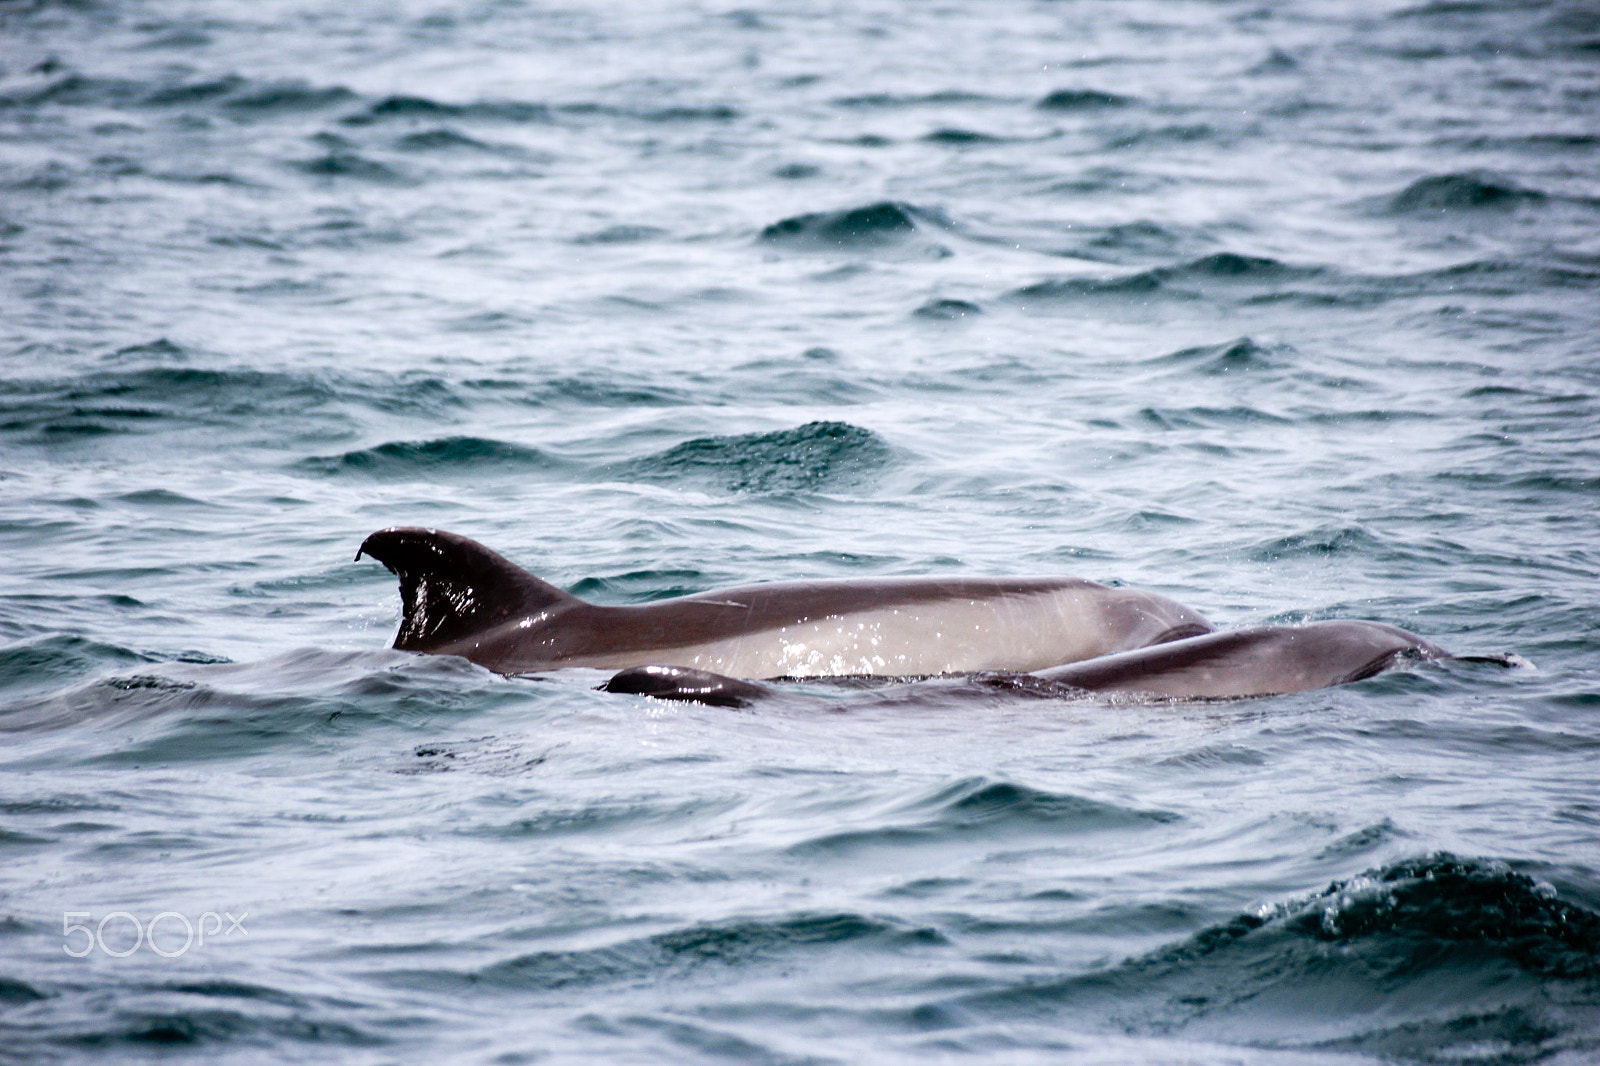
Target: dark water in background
column 1288, row 311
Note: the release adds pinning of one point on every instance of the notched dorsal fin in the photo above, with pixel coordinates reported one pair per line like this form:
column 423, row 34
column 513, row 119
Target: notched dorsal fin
column 452, row 587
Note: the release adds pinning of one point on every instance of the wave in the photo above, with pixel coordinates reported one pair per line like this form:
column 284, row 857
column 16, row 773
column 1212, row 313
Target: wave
column 622, row 234
column 1436, row 959
column 162, row 388
column 789, row 939
column 808, row 458
column 60, row 658
column 1234, row 265
column 944, row 98
column 953, row 135
column 583, row 392
column 244, row 99
column 884, row 226
column 1082, row 100
column 162, row 1018
column 1139, row 285
column 1138, row 238
column 429, row 458
column 1251, row 279
column 1187, row 280
column 947, row 310
column 75, row 89
column 1348, row 540
column 1491, row 277
column 179, row 711
column 240, row 97
column 1240, row 356
column 1169, row 418
column 982, row 807
column 1442, row 899
column 290, row 96
column 342, row 162
column 677, row 113
column 442, row 139
column 1164, row 136
column 410, row 108
column 1456, row 193
column 139, row 398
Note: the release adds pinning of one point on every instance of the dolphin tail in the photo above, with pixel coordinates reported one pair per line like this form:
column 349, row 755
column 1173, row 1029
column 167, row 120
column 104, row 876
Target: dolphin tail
column 452, row 587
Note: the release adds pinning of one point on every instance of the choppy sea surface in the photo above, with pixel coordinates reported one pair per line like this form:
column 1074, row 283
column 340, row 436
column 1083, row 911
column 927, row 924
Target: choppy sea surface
column 1289, row 311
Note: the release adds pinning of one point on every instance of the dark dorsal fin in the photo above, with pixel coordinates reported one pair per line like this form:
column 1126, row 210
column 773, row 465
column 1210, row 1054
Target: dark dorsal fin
column 452, row 587
column 687, row 683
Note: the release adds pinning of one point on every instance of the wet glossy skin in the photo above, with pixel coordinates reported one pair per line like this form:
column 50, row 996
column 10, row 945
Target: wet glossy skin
column 460, row 598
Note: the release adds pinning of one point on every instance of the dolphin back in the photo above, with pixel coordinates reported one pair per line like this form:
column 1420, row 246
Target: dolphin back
column 452, row 588
column 1265, row 661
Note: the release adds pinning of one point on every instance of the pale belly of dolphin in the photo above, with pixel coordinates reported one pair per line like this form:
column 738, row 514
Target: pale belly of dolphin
column 1014, row 632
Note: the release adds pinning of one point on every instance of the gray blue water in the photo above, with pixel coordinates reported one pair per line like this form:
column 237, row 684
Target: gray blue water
column 1288, row 311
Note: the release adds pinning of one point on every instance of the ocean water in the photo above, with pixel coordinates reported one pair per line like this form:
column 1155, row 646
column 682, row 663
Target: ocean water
column 1289, row 311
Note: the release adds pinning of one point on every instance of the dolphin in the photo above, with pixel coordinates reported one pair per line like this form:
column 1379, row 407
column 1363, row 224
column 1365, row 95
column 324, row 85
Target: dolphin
column 460, row 598
column 1263, row 661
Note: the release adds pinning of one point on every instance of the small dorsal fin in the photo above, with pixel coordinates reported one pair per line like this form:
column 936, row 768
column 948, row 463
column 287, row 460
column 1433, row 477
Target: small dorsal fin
column 452, row 587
